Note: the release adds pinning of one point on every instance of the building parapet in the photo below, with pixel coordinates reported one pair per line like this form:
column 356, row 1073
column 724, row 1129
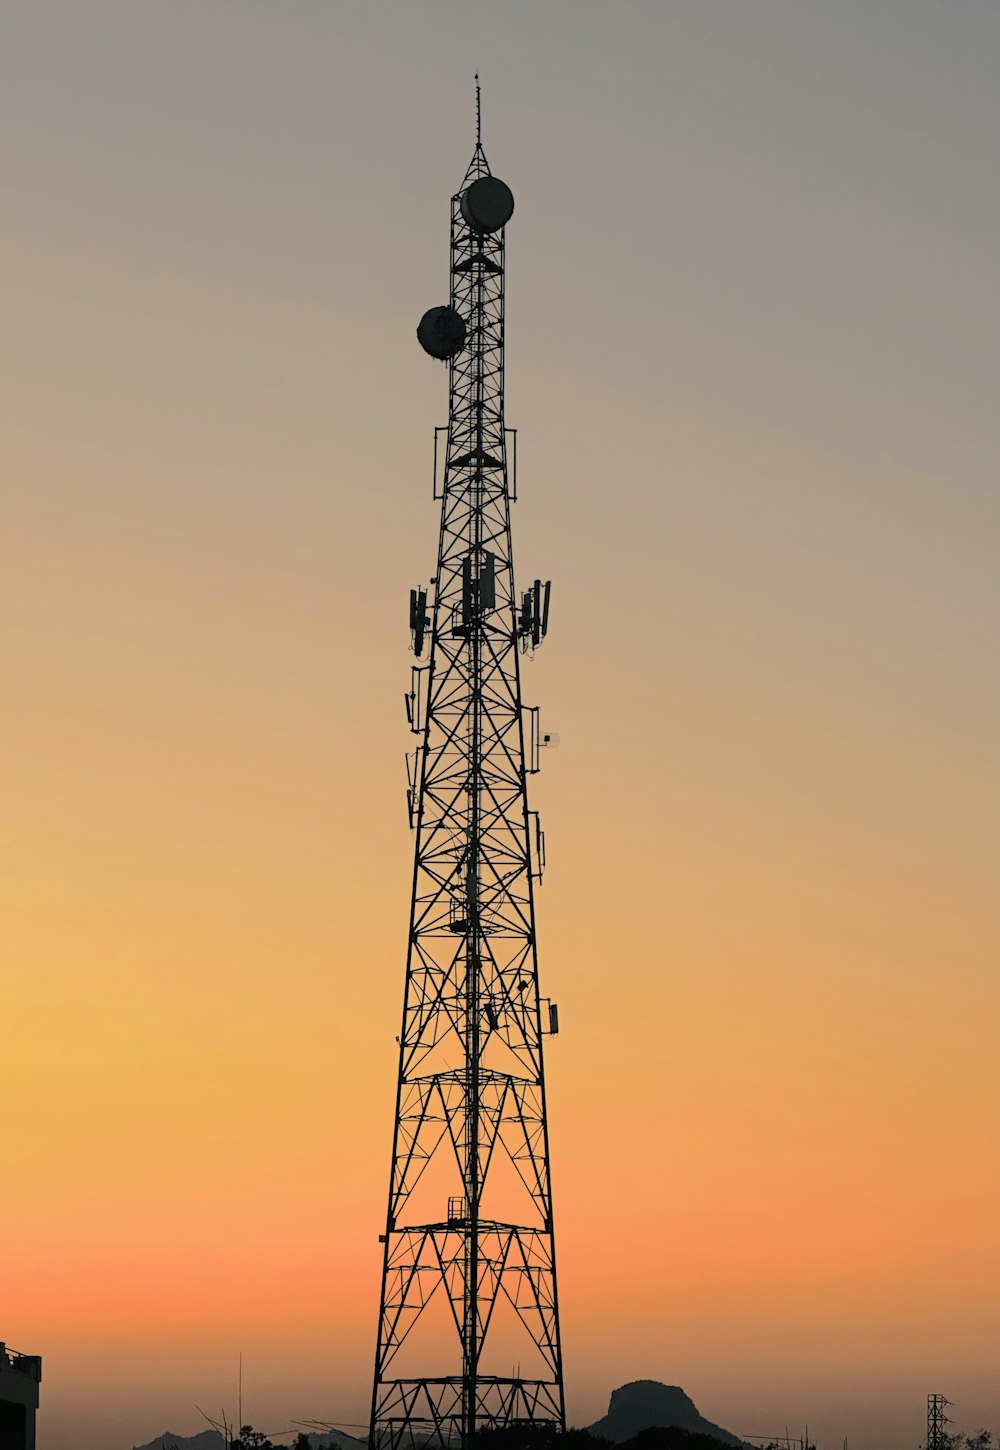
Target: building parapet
column 14, row 1362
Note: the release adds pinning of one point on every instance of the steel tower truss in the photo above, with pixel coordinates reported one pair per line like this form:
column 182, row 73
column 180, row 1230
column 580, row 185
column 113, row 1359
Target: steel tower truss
column 937, row 1435
column 468, row 1334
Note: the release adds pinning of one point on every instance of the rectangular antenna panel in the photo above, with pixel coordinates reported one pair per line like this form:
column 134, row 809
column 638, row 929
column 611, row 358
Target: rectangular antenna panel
column 416, row 700
column 536, row 846
column 510, row 448
column 533, row 740
column 440, row 469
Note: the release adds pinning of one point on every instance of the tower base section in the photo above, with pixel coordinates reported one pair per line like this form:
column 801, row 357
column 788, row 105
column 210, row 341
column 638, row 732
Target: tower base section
column 427, row 1414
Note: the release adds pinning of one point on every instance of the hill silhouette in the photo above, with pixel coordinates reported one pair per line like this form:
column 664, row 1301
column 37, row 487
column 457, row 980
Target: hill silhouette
column 646, row 1405
column 205, row 1440
column 212, row 1440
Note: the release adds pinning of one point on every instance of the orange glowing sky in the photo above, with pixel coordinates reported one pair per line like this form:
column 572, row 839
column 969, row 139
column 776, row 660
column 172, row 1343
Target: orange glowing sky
column 752, row 336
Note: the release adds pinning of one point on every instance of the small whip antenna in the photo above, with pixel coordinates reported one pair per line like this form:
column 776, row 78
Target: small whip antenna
column 479, row 114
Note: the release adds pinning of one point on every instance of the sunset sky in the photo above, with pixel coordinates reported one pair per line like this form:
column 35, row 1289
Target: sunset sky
column 752, row 338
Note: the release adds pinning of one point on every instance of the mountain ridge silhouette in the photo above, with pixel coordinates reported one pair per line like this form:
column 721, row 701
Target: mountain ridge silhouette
column 212, row 1440
column 635, row 1411
column 649, row 1404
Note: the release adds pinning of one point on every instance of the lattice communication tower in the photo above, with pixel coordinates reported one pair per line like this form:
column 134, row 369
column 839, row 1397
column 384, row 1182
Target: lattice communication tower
column 468, row 1335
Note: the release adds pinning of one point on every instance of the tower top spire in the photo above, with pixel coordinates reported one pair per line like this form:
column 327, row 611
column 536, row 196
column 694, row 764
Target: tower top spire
column 478, row 166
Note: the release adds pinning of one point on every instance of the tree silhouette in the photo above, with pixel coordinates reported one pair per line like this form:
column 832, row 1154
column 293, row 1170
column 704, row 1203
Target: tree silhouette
column 251, row 1439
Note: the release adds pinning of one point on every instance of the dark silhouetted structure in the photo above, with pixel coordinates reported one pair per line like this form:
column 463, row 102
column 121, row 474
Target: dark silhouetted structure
column 937, row 1435
column 468, row 1336
column 646, row 1404
column 20, row 1376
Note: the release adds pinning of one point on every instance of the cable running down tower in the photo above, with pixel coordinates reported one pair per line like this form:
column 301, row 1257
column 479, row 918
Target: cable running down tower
column 468, row 1335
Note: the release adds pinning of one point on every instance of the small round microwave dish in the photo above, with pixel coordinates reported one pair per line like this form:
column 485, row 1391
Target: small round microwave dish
column 488, row 204
column 441, row 332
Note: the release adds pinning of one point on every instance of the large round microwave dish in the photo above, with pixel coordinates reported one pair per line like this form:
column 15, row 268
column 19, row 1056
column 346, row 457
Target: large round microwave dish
column 488, row 204
column 441, row 332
